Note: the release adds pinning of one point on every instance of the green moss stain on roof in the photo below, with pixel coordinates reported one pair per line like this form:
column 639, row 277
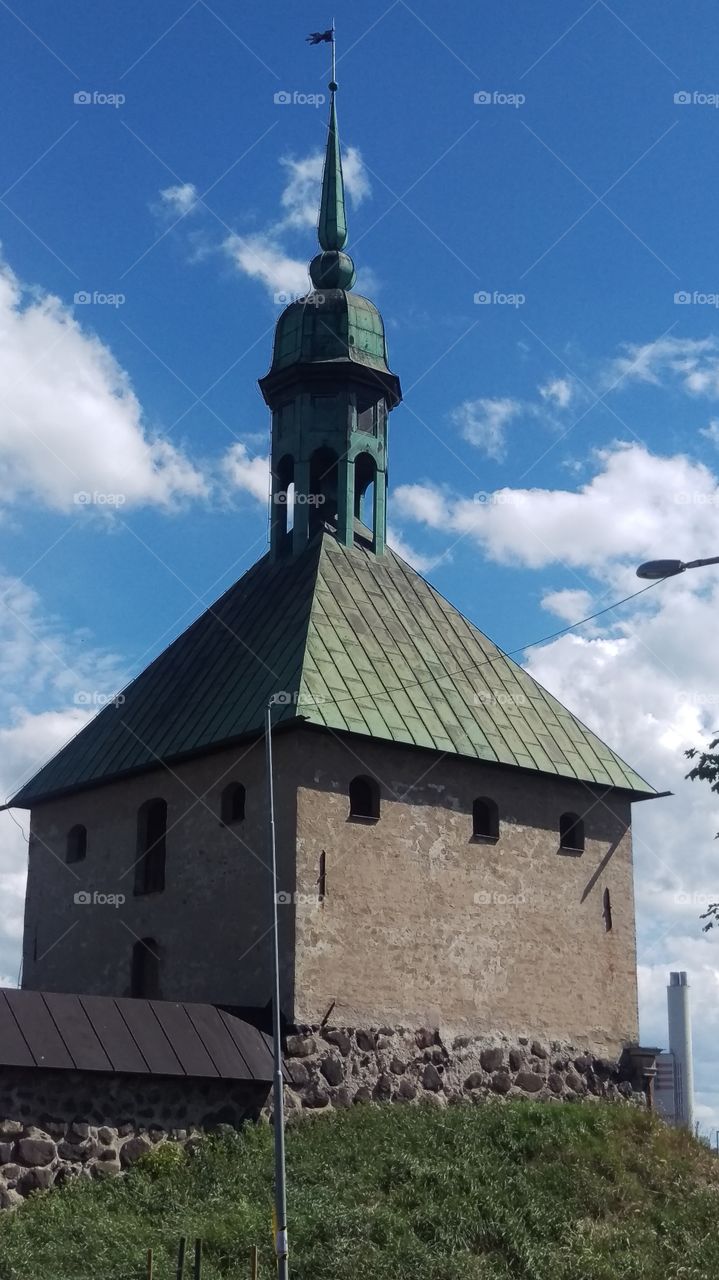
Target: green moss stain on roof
column 356, row 644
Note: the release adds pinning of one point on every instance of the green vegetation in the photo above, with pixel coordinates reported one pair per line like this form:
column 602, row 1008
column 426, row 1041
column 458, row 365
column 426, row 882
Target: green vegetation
column 521, row 1190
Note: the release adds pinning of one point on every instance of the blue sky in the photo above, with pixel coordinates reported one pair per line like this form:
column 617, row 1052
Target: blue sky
column 544, row 447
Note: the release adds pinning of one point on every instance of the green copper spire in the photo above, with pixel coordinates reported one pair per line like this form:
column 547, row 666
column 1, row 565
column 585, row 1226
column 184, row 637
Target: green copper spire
column 332, row 269
column 332, row 226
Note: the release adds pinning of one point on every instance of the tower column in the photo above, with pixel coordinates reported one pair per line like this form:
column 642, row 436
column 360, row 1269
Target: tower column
column 380, row 512
column 346, row 503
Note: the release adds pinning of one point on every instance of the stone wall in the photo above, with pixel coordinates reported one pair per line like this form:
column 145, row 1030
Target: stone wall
column 55, row 1126
column 339, row 1067
column 422, row 925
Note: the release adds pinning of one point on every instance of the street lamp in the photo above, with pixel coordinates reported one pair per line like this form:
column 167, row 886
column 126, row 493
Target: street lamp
column 277, row 1083
column 668, row 568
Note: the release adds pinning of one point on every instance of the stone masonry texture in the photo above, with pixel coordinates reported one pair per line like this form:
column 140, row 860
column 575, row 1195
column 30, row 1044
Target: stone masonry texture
column 420, row 925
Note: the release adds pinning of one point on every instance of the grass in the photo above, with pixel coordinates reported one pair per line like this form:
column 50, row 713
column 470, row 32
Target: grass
column 521, row 1190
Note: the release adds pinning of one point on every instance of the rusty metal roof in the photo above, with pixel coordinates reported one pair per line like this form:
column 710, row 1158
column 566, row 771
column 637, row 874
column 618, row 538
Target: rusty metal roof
column 135, row 1037
column 356, row 643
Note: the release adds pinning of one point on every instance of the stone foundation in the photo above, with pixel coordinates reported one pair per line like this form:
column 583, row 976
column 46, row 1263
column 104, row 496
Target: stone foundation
column 60, row 1125
column 337, row 1067
column 55, row 1126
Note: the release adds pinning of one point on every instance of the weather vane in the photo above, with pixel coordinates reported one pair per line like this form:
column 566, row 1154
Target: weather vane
column 327, row 37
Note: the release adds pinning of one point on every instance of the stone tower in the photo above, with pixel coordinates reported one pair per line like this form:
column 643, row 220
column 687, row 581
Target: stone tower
column 454, row 845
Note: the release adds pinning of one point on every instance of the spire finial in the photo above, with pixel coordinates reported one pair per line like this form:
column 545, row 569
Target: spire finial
column 332, row 269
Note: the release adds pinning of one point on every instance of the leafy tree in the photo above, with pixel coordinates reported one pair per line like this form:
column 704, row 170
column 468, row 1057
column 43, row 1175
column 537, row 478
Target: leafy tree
column 707, row 769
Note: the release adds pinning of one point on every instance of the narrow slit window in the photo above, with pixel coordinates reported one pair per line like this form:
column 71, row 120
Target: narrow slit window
column 607, row 911
column 322, row 877
column 232, row 804
column 571, row 833
column 485, row 819
column 145, row 970
column 76, row 845
column 364, row 798
column 151, row 832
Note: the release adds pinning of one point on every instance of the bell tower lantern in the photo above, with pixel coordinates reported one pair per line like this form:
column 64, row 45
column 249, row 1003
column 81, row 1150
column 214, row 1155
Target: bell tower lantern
column 330, row 391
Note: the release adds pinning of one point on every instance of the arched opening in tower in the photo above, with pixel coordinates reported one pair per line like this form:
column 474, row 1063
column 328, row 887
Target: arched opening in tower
column 365, row 491
column 284, row 498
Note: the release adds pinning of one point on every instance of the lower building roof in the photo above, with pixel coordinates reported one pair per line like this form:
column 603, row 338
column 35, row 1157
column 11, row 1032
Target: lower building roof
column 61, row 1031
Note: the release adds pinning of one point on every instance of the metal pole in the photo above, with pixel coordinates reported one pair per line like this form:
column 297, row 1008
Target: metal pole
column 277, row 1094
column 255, row 1262
column 334, row 55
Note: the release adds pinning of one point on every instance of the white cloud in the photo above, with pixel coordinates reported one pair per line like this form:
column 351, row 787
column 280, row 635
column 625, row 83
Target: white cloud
column 691, row 362
column 261, row 257
column 636, row 505
column 417, row 559
column 250, row 474
column 711, row 432
column 62, row 677
column 559, row 392
column 569, row 605
column 484, row 423
column 301, row 195
column 180, row 199
column 70, row 422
